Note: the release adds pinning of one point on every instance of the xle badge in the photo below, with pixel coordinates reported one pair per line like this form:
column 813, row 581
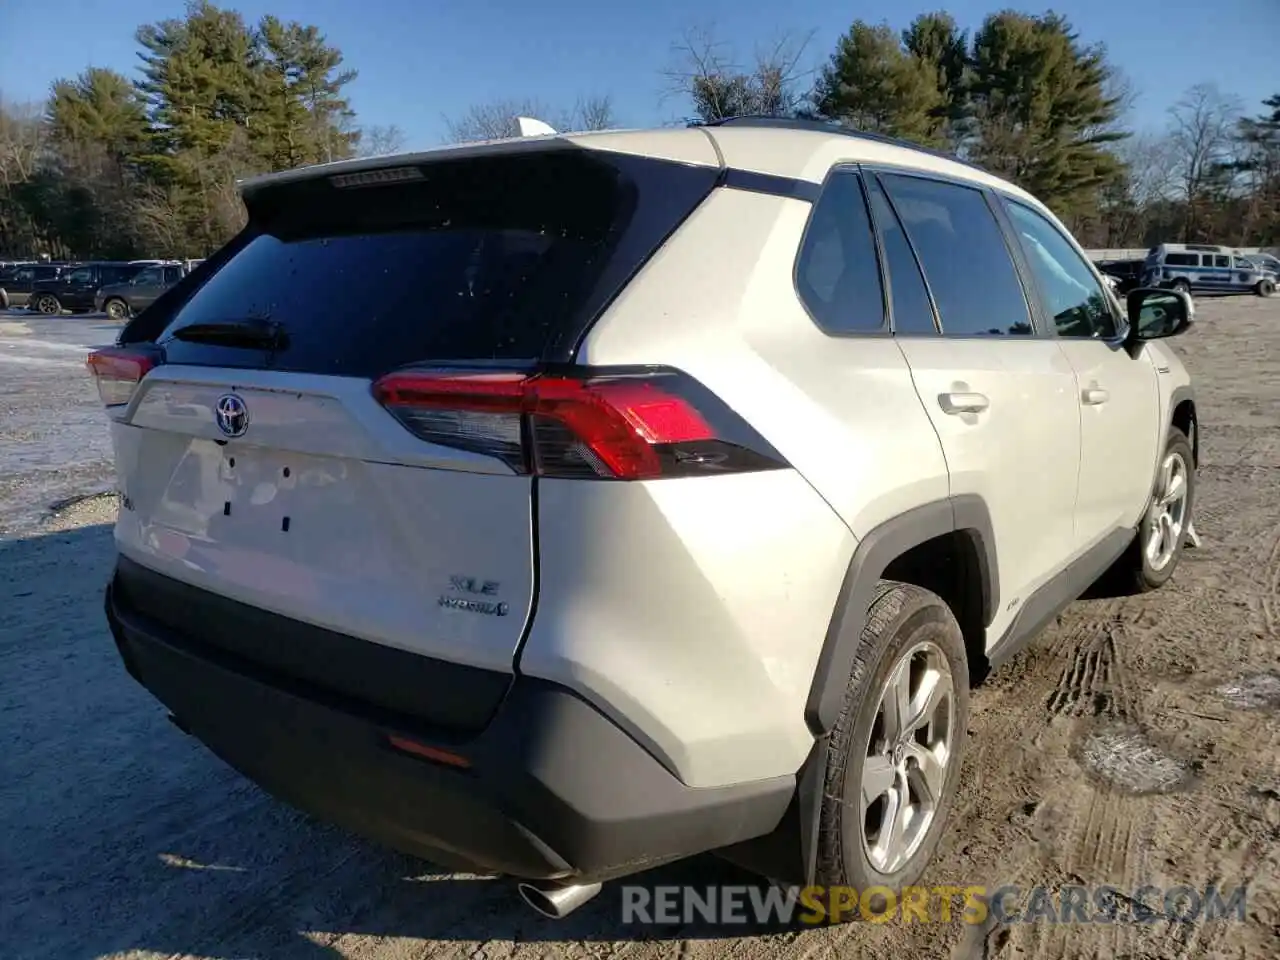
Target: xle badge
column 465, row 594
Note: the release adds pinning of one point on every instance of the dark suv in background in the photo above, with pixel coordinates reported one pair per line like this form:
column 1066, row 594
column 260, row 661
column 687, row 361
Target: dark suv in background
column 1129, row 273
column 123, row 300
column 17, row 281
column 76, row 287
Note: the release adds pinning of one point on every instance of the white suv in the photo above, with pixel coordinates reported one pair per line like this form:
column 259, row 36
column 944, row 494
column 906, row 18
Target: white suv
column 563, row 506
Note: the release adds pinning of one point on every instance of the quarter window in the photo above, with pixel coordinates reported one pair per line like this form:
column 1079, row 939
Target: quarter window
column 838, row 272
column 962, row 250
column 912, row 311
column 1071, row 292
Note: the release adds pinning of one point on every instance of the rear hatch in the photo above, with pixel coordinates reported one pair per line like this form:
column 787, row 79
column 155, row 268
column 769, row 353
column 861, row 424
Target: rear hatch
column 272, row 441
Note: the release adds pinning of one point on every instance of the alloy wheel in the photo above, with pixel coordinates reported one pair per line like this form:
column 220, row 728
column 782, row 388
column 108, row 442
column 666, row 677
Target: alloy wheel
column 909, row 751
column 1167, row 515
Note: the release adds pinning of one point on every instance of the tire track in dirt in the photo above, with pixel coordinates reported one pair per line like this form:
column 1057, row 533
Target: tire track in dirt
column 1100, row 836
column 1271, row 581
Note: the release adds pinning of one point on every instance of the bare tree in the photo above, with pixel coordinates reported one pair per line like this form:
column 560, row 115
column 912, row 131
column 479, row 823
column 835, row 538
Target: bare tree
column 380, row 141
column 1202, row 133
column 22, row 139
column 594, row 113
column 499, row 119
column 705, row 73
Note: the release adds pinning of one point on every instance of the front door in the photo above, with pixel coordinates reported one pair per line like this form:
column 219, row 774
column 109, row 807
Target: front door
column 1119, row 404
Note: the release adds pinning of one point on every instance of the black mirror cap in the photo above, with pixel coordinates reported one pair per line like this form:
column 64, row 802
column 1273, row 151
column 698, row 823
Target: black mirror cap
column 1176, row 312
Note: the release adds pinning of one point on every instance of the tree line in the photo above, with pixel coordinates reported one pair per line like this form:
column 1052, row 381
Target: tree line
column 1024, row 98
column 112, row 166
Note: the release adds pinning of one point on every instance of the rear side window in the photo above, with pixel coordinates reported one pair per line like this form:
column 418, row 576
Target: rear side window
column 499, row 258
column 1181, row 260
column 968, row 266
column 912, row 311
column 838, row 272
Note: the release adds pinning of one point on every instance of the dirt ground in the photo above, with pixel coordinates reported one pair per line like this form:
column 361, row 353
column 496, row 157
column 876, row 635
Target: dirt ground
column 1137, row 742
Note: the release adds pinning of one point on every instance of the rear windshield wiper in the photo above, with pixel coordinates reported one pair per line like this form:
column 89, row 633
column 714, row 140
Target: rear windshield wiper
column 250, row 332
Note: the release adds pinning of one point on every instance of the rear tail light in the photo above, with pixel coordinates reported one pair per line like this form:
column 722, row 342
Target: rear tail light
column 117, row 372
column 598, row 424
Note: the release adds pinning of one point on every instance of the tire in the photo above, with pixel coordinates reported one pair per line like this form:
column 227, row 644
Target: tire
column 4, row 299
column 116, row 309
column 1137, row 567
column 1181, row 286
column 1265, row 288
column 905, row 623
column 47, row 304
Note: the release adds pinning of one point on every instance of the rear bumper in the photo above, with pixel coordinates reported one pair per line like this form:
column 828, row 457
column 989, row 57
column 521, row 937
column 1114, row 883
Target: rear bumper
column 554, row 789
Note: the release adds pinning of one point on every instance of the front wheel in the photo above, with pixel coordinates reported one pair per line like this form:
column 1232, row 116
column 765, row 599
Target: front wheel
column 47, row 304
column 117, row 309
column 1181, row 286
column 1164, row 528
column 1265, row 288
column 893, row 759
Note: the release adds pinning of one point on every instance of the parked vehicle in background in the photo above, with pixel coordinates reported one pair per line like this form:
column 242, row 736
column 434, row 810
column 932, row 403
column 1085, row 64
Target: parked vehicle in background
column 1206, row 268
column 122, row 300
column 1128, row 274
column 74, row 289
column 17, row 282
column 440, row 496
column 1268, row 263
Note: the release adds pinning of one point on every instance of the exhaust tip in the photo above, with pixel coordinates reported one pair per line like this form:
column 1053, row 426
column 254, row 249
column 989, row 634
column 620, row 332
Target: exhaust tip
column 556, row 901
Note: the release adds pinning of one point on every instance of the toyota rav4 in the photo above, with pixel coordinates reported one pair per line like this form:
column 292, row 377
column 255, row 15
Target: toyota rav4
column 563, row 506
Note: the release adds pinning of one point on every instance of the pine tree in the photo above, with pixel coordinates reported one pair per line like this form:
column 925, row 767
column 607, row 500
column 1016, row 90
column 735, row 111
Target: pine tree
column 872, row 83
column 1042, row 112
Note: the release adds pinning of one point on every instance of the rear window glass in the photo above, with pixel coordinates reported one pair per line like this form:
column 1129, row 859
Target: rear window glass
column 485, row 259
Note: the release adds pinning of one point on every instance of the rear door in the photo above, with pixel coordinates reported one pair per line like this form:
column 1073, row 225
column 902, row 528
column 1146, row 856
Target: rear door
column 1000, row 395
column 278, row 469
column 146, row 285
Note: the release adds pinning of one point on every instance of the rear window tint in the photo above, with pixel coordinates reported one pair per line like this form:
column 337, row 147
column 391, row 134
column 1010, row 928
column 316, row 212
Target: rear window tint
column 504, row 258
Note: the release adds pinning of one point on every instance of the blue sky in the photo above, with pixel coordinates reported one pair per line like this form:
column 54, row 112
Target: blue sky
column 422, row 60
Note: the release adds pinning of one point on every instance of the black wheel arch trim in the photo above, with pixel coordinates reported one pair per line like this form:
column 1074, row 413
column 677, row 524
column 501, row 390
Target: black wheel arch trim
column 964, row 513
column 1176, row 399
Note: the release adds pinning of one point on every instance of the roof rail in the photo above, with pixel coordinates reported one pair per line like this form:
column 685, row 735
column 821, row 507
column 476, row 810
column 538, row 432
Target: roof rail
column 830, row 126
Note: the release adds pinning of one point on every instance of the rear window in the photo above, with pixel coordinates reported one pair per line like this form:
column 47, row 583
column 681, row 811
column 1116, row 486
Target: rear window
column 503, row 258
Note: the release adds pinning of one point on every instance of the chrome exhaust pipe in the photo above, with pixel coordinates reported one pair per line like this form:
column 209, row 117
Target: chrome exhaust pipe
column 556, row 901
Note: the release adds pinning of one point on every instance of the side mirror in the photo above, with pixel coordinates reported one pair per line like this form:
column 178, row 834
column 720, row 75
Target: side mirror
column 1155, row 313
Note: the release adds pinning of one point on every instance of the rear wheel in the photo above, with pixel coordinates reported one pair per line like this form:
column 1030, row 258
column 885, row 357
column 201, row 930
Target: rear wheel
column 893, row 759
column 117, row 309
column 47, row 303
column 1265, row 288
column 1181, row 286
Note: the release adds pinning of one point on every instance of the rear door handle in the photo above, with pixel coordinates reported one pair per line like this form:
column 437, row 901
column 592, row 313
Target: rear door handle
column 963, row 402
column 1094, row 396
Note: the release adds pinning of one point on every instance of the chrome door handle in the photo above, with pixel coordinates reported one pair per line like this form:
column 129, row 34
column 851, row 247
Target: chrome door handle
column 1094, row 396
column 963, row 402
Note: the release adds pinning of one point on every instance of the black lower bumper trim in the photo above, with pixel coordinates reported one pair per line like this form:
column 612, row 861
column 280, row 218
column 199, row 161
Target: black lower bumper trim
column 449, row 696
column 555, row 789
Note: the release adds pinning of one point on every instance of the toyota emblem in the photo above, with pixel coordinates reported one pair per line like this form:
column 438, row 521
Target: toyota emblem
column 232, row 415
